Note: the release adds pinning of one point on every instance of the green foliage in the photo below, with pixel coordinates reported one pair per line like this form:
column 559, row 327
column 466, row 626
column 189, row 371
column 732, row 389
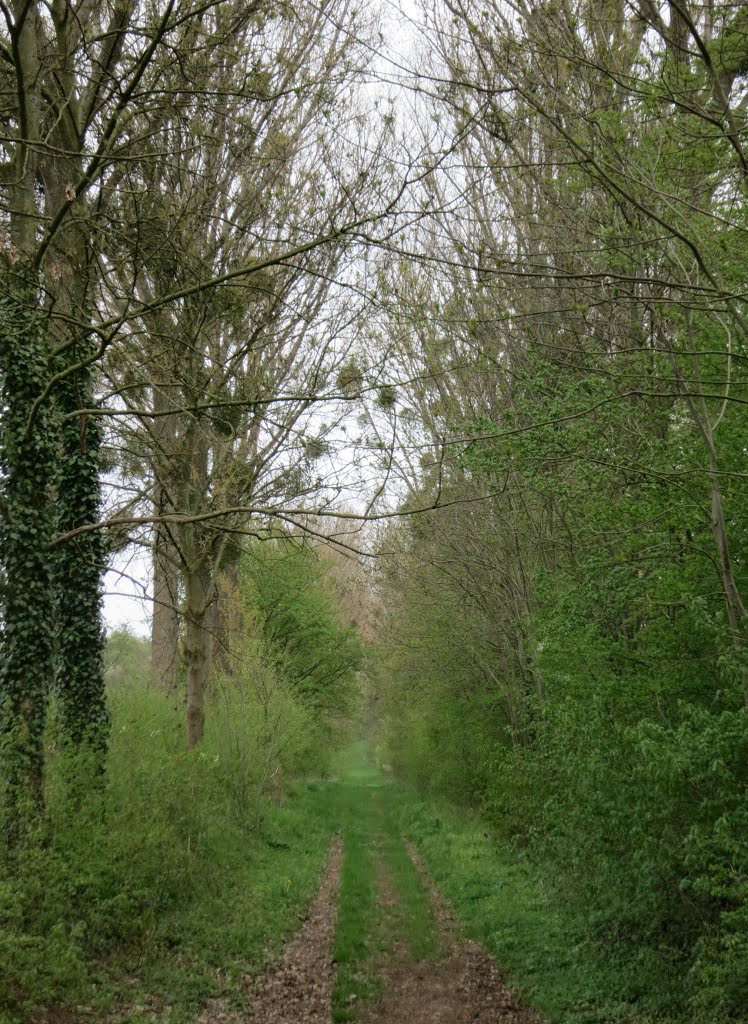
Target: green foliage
column 126, row 657
column 307, row 643
column 173, row 865
column 50, row 601
column 182, row 862
column 260, row 737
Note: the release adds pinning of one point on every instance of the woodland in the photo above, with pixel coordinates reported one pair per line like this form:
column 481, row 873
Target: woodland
column 398, row 354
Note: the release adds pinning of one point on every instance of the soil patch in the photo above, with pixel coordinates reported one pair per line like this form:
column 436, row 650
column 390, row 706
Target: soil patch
column 297, row 989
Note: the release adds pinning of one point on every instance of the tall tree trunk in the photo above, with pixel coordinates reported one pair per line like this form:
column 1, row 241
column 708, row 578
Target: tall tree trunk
column 80, row 562
column 28, row 464
column 227, row 619
column 197, row 648
column 28, row 476
column 165, row 621
column 166, row 566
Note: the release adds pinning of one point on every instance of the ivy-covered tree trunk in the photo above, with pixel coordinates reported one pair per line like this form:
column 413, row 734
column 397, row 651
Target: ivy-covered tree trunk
column 29, row 464
column 70, row 274
column 79, row 565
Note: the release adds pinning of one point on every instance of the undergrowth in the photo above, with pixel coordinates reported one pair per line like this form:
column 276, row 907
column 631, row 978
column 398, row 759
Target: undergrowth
column 163, row 881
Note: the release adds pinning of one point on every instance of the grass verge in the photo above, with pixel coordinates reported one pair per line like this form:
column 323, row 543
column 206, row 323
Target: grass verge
column 242, row 920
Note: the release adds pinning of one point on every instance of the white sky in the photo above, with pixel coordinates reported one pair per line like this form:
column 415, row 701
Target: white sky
column 126, row 593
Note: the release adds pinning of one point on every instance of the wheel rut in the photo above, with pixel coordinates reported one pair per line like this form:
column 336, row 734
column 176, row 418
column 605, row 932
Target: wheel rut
column 462, row 986
column 297, row 989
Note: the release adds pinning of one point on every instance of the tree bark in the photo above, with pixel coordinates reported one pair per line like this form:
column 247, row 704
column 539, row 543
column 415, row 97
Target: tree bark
column 197, row 649
column 227, row 619
column 165, row 621
column 166, row 563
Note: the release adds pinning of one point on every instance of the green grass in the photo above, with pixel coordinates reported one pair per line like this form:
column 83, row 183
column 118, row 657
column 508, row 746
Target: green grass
column 356, row 948
column 366, row 933
column 162, row 883
column 154, row 926
column 503, row 899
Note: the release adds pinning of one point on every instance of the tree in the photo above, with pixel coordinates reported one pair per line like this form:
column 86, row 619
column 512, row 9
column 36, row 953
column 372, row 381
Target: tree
column 235, row 391
column 87, row 89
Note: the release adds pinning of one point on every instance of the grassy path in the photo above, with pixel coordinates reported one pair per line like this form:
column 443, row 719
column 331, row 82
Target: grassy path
column 383, row 904
column 398, row 953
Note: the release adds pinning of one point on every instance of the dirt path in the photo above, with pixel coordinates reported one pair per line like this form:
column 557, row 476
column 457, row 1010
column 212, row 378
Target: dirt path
column 396, row 937
column 461, row 987
column 297, row 989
